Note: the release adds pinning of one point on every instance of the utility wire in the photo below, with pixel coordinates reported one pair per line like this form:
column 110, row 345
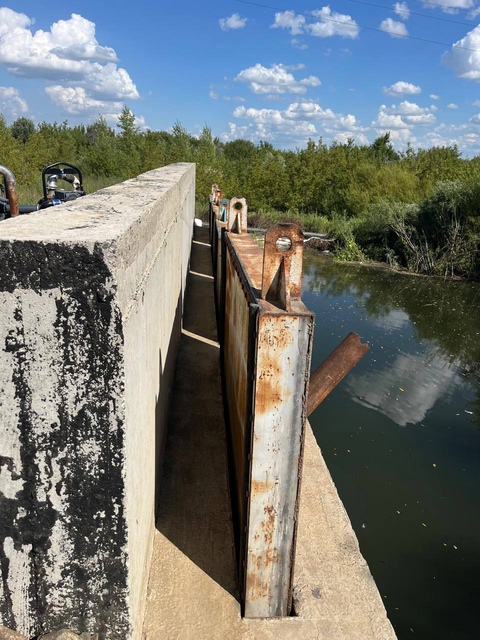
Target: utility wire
column 413, row 13
column 444, row 6
column 392, row 33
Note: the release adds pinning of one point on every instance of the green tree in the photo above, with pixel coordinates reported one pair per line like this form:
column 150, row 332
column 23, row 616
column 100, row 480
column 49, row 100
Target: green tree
column 382, row 149
column 22, row 129
column 129, row 143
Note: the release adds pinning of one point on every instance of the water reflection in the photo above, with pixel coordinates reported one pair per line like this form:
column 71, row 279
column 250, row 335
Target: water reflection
column 442, row 316
column 407, row 389
column 401, row 437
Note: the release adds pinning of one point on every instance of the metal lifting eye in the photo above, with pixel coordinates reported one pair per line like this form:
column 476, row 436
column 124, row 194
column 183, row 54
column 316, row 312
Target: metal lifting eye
column 283, row 244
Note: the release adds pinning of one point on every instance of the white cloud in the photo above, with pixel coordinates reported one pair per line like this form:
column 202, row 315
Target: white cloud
column 11, row 20
column 402, row 88
column 108, row 82
column 393, row 28
column 66, row 49
column 464, row 57
column 11, row 104
column 275, row 80
column 401, row 119
column 298, row 44
column 75, row 100
column 402, row 10
column 476, row 103
column 408, row 108
column 451, row 6
column 308, row 110
column 475, row 119
column 465, row 136
column 452, row 105
column 289, row 20
column 68, row 52
column 295, row 124
column 433, row 96
column 233, row 22
column 330, row 23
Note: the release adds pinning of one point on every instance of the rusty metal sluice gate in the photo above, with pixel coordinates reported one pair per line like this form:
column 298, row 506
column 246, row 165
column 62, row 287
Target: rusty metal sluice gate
column 266, row 336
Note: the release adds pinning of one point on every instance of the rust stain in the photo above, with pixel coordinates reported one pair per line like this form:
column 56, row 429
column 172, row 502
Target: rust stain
column 268, row 526
column 260, row 487
column 282, row 265
column 255, row 586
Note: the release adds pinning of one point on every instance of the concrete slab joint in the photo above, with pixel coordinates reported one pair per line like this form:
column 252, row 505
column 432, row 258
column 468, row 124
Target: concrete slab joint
column 90, row 305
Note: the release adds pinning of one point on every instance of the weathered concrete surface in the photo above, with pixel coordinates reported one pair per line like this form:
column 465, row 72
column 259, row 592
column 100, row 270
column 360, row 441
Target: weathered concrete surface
column 90, row 305
column 192, row 592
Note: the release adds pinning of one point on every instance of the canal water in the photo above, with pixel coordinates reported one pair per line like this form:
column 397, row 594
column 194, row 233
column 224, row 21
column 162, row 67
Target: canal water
column 401, row 437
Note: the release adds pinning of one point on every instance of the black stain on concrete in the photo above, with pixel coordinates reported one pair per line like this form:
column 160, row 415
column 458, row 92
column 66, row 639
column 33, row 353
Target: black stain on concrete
column 89, row 331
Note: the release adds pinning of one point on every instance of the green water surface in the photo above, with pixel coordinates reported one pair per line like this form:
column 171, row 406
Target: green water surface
column 401, row 437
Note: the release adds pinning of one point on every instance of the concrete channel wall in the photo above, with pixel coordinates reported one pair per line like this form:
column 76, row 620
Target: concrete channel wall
column 91, row 299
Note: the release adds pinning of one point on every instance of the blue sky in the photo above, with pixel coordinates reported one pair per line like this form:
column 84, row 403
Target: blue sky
column 282, row 71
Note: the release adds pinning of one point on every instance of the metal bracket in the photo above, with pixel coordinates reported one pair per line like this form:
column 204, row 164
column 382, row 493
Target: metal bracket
column 282, row 265
column 215, row 188
column 237, row 216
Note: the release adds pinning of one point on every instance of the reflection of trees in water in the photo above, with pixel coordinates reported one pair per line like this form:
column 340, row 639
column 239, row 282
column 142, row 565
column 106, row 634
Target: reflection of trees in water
column 446, row 313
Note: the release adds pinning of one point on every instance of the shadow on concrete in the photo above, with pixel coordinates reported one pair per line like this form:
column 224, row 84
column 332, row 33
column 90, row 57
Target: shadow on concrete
column 166, row 374
column 193, row 510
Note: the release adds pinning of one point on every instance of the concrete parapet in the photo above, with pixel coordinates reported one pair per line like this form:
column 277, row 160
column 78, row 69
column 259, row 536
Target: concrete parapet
column 91, row 299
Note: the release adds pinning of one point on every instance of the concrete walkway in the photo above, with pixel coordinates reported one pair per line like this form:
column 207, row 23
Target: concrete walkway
column 192, row 593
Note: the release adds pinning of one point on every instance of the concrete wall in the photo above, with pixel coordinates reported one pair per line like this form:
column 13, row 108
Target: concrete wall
column 90, row 313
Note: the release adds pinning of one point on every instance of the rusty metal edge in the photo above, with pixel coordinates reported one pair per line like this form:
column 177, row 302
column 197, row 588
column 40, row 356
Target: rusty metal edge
column 254, row 313
column 300, row 467
column 244, row 278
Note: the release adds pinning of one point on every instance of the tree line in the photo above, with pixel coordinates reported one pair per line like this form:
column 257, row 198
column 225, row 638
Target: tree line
column 417, row 209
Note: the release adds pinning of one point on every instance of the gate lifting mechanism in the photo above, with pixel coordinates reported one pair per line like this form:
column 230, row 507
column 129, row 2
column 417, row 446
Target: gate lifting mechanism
column 266, row 335
column 52, row 195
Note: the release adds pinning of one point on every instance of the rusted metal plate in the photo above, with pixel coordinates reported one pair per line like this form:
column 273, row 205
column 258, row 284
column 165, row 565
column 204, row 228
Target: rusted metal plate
column 236, row 368
column 266, row 366
column 281, row 384
column 250, row 255
column 267, row 342
column 218, row 265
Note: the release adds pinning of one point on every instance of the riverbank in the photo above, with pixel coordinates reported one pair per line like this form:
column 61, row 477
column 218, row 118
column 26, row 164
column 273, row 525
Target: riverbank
column 439, row 236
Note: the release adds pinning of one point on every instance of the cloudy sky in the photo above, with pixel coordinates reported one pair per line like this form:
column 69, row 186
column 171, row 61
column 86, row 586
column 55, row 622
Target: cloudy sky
column 283, row 71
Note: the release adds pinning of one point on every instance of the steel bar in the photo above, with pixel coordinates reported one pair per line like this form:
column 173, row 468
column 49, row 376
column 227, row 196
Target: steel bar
column 332, row 370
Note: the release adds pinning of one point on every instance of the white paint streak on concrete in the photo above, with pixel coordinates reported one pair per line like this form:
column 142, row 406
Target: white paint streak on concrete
column 18, row 583
column 9, row 411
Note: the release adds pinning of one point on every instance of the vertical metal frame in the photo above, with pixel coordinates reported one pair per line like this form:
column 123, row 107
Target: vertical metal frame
column 266, row 359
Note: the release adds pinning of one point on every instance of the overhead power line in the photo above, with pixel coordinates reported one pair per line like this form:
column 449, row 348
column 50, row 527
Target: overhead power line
column 389, row 32
column 413, row 13
column 444, row 6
